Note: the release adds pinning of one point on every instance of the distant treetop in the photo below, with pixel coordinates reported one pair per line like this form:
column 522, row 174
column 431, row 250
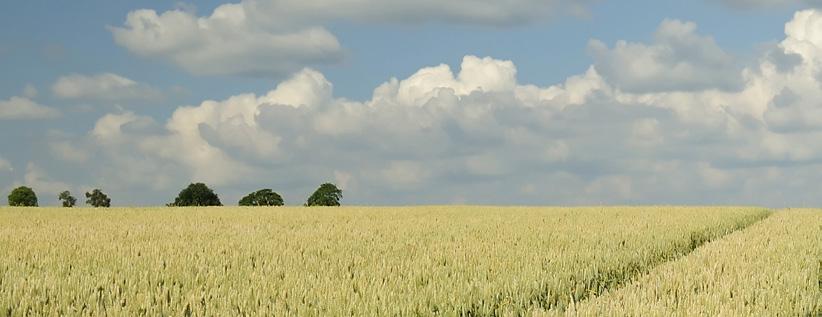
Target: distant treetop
column 327, row 195
column 196, row 194
column 262, row 197
column 67, row 199
column 23, row 197
column 97, row 198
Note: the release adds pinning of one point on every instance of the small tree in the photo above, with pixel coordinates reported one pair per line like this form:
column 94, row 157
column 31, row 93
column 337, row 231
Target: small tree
column 262, row 197
column 67, row 199
column 97, row 198
column 196, row 194
column 23, row 197
column 327, row 195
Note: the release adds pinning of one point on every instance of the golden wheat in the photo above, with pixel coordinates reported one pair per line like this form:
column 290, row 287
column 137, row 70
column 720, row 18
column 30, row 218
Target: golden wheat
column 770, row 269
column 337, row 261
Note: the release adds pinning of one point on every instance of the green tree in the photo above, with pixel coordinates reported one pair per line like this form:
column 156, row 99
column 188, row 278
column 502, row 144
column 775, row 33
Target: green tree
column 67, row 199
column 262, row 197
column 196, row 194
column 23, row 197
column 97, row 198
column 326, row 195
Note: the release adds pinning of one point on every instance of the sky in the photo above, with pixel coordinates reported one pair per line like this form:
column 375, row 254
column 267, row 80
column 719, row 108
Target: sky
column 524, row 102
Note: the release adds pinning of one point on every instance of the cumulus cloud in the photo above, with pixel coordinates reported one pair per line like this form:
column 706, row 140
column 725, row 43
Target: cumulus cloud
column 448, row 120
column 224, row 43
column 477, row 130
column 23, row 108
column 103, row 87
column 476, row 134
column 680, row 59
column 112, row 127
column 127, row 133
column 274, row 38
column 793, row 94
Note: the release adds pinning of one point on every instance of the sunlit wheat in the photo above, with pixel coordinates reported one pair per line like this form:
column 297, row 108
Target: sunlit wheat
column 340, row 261
column 769, row 269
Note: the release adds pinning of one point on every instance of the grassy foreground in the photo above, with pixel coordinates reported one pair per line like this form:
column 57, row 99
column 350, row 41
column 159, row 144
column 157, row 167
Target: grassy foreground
column 338, row 261
column 773, row 268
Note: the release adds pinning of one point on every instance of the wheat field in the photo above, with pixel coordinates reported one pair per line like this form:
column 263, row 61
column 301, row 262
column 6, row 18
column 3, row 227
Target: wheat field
column 774, row 268
column 432, row 260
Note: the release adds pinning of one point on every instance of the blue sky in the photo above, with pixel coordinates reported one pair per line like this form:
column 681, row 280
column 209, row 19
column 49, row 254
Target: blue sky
column 718, row 51
column 45, row 40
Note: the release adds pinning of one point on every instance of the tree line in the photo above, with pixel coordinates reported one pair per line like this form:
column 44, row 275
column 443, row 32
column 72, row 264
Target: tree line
column 196, row 194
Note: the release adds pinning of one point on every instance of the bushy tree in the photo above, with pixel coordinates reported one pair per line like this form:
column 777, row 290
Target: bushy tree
column 262, row 197
column 67, row 199
column 97, row 198
column 326, row 195
column 196, row 194
column 23, row 197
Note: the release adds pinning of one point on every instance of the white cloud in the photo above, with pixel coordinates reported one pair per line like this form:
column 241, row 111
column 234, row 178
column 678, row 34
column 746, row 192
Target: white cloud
column 478, row 125
column 205, row 161
column 25, row 108
column 804, row 35
column 225, row 43
column 103, row 87
column 679, row 59
column 299, row 123
column 792, row 96
column 477, row 135
column 275, row 38
column 111, row 127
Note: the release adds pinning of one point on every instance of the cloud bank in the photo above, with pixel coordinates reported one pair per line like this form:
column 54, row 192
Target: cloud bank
column 686, row 125
column 276, row 38
column 680, row 59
